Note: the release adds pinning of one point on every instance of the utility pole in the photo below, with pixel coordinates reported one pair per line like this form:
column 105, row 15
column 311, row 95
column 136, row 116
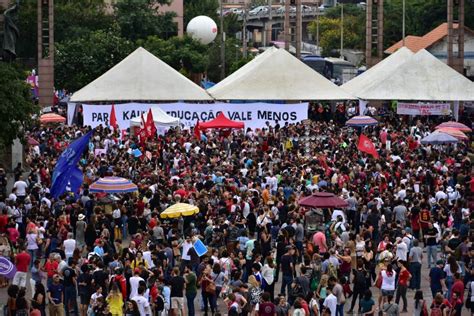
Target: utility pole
column 222, row 41
column 317, row 26
column 45, row 25
column 268, row 25
column 403, row 22
column 298, row 28
column 244, row 31
column 342, row 31
column 456, row 61
column 287, row 25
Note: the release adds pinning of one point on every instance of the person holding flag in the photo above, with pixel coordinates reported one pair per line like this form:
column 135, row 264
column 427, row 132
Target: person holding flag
column 66, row 171
column 367, row 146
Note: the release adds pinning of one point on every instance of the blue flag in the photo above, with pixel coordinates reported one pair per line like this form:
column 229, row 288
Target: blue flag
column 66, row 170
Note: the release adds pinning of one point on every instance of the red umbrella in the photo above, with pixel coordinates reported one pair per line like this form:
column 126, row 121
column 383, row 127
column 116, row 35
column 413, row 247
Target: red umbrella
column 32, row 141
column 323, row 200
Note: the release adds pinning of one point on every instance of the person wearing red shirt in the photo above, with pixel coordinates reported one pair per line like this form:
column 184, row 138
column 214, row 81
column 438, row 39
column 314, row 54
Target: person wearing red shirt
column 3, row 221
column 51, row 268
column 458, row 287
column 404, row 277
column 22, row 261
column 266, row 308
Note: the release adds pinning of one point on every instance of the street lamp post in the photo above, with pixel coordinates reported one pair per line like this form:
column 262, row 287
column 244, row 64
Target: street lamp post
column 317, row 25
column 403, row 23
column 342, row 30
column 222, row 40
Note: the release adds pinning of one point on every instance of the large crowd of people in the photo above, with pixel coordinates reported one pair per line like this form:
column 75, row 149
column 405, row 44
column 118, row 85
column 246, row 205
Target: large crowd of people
column 95, row 254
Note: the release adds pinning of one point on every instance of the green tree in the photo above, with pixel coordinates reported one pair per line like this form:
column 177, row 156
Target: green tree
column 182, row 53
column 330, row 29
column 16, row 105
column 233, row 56
column 193, row 8
column 81, row 60
column 72, row 19
column 138, row 19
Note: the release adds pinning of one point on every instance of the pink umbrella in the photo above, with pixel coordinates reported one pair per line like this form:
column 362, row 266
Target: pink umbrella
column 453, row 132
column 323, row 200
column 456, row 125
column 32, row 141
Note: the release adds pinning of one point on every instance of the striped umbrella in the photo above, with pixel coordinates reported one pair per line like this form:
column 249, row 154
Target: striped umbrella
column 438, row 138
column 451, row 124
column 179, row 209
column 52, row 118
column 361, row 121
column 453, row 132
column 113, row 185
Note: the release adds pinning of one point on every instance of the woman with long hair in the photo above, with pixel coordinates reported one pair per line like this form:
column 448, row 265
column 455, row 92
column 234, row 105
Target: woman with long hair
column 388, row 284
column 404, row 277
column 39, row 299
column 450, row 269
column 131, row 308
column 268, row 273
column 207, row 296
column 115, row 301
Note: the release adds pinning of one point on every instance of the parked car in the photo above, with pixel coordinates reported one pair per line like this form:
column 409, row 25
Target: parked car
column 259, row 10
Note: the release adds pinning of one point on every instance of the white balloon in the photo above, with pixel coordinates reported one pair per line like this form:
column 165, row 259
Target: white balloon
column 202, row 28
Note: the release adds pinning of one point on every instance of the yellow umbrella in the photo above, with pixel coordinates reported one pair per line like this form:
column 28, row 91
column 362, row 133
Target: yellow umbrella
column 179, row 209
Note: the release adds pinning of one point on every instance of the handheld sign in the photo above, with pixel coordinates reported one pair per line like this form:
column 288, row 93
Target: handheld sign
column 200, row 248
column 7, row 268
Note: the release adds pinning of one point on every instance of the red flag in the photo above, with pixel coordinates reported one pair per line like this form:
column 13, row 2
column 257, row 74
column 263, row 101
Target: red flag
column 150, row 125
column 142, row 133
column 113, row 118
column 366, row 145
column 197, row 131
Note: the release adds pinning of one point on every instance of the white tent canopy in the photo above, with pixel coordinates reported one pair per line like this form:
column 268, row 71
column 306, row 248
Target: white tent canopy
column 378, row 72
column 159, row 117
column 277, row 75
column 422, row 77
column 141, row 76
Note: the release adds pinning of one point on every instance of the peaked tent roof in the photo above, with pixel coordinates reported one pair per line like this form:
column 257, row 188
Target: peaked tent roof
column 160, row 117
column 141, row 76
column 422, row 77
column 378, row 72
column 221, row 121
column 417, row 43
column 277, row 75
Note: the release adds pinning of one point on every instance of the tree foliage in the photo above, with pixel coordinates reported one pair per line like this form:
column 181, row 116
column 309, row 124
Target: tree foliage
column 16, row 105
column 81, row 60
column 181, row 53
column 138, row 19
column 193, row 8
column 330, row 29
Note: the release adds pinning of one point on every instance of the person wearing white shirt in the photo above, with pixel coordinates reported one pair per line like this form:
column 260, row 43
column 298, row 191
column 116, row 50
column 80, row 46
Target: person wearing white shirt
column 69, row 245
column 337, row 213
column 402, row 249
column 149, row 261
column 20, row 187
column 330, row 301
column 134, row 282
column 440, row 195
column 142, row 302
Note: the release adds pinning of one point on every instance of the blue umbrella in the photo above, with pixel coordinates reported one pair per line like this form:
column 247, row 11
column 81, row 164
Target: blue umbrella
column 7, row 268
column 438, row 138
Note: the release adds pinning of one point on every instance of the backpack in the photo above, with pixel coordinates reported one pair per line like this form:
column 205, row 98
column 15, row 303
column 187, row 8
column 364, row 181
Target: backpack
column 332, row 270
column 436, row 310
column 160, row 303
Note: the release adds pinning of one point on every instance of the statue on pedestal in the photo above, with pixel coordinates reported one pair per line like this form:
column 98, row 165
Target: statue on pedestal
column 10, row 33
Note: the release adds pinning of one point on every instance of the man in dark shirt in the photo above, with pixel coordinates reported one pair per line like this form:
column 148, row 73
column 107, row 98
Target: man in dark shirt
column 100, row 277
column 70, row 293
column 437, row 277
column 431, row 244
column 177, row 288
column 287, row 269
column 56, row 296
